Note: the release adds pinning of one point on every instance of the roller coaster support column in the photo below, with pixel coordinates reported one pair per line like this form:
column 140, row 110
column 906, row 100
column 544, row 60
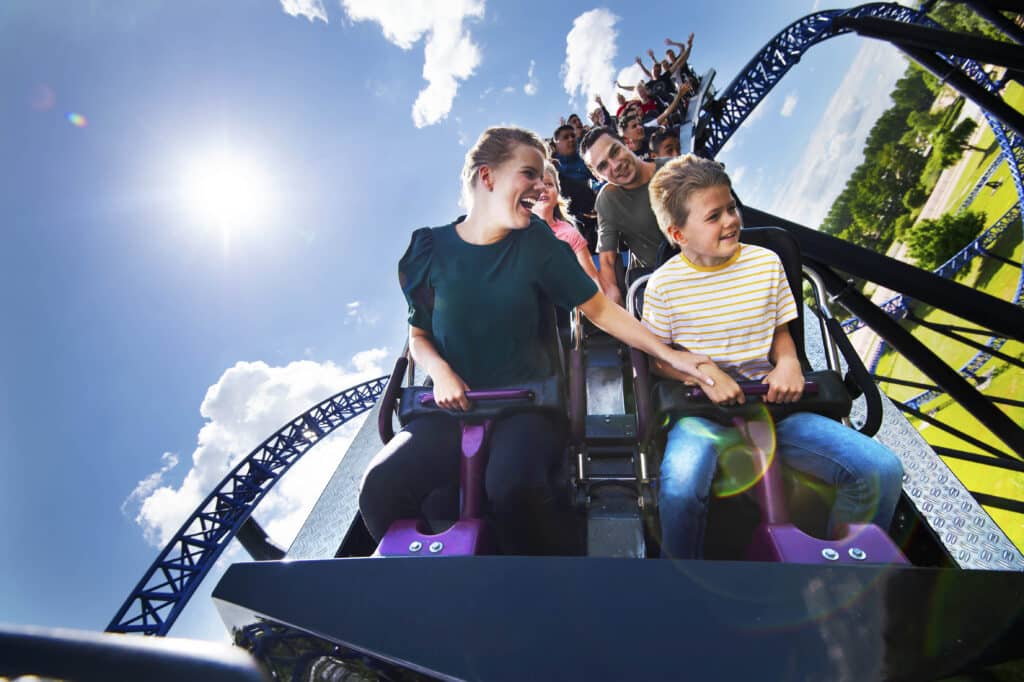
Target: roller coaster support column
column 922, row 43
column 991, row 12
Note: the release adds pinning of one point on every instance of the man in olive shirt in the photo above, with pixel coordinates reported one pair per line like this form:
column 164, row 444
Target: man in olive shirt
column 623, row 205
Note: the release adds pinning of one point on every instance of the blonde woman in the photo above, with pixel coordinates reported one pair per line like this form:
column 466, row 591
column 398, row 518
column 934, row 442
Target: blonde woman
column 473, row 288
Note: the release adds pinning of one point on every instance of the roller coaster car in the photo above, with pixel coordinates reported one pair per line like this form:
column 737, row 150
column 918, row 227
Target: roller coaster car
column 471, row 534
column 775, row 538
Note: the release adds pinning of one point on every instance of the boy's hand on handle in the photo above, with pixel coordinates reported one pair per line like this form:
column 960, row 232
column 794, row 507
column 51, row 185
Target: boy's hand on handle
column 725, row 390
column 785, row 382
column 450, row 391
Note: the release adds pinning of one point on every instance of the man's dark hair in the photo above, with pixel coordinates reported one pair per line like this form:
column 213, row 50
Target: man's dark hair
column 626, row 120
column 594, row 135
column 562, row 128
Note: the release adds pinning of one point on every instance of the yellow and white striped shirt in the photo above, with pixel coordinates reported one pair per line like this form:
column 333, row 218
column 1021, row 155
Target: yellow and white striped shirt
column 728, row 312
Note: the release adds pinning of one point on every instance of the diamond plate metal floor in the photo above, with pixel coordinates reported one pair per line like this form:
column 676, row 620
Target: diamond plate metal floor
column 970, row 535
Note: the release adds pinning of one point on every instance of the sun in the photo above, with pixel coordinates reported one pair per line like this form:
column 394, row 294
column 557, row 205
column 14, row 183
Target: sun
column 227, row 190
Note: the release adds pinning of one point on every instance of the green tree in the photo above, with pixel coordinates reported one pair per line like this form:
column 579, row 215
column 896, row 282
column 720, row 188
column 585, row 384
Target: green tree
column 952, row 144
column 902, row 225
column 868, row 210
column 914, row 91
column 915, row 197
column 955, row 17
column 933, row 242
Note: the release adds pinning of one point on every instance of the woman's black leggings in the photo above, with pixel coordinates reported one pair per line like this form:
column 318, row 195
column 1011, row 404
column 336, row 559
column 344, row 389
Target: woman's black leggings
column 525, row 461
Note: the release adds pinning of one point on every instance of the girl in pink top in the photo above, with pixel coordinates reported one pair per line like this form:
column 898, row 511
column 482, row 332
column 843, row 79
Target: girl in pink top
column 553, row 208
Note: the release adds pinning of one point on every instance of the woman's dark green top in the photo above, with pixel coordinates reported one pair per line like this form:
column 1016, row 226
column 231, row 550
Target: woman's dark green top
column 483, row 304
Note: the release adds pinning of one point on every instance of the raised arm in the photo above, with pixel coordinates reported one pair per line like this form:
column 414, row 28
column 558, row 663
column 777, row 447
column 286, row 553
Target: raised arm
column 624, row 87
column 684, row 55
column 449, row 388
column 647, row 72
column 609, row 120
column 683, row 90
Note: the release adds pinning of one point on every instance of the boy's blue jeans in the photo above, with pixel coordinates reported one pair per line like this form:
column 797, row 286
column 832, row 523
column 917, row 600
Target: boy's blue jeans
column 867, row 476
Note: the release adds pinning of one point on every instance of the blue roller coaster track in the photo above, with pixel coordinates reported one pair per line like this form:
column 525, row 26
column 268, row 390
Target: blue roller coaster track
column 718, row 123
column 161, row 594
column 166, row 587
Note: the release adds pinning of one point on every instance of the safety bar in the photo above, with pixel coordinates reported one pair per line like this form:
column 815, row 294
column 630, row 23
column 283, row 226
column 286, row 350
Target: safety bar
column 752, row 388
column 498, row 394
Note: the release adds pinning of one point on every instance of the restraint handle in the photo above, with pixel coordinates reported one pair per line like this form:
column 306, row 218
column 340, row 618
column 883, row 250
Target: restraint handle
column 752, row 388
column 497, row 394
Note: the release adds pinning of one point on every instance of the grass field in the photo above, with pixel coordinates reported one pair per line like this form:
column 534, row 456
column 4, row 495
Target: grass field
column 1001, row 378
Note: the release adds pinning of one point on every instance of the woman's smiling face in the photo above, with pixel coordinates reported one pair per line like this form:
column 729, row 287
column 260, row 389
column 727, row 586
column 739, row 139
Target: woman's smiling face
column 515, row 186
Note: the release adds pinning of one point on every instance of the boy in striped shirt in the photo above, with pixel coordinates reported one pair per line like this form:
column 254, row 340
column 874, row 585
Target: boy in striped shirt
column 732, row 302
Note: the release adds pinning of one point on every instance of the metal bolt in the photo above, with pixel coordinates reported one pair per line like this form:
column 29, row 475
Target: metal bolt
column 436, row 547
column 415, row 546
column 830, row 554
column 858, row 554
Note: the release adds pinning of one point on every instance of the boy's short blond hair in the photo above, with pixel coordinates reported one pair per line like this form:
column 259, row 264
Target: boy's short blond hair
column 674, row 183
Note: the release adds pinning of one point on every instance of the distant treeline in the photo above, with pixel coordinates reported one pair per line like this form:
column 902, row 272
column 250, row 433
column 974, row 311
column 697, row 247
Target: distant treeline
column 904, row 155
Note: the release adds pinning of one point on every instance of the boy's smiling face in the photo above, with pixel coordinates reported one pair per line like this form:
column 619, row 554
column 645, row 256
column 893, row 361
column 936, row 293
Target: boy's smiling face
column 711, row 234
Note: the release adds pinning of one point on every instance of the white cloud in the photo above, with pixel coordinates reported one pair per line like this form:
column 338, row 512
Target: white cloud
column 450, row 55
column 789, row 105
column 369, row 361
column 631, row 75
column 356, row 313
column 311, row 9
column 150, row 483
column 249, row 402
column 837, row 143
column 531, row 81
column 589, row 50
column 737, row 175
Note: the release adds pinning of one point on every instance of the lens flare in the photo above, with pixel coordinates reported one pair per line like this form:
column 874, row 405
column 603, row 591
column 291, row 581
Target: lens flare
column 744, row 452
column 76, row 119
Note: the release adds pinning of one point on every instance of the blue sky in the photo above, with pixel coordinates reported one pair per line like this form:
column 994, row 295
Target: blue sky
column 150, row 341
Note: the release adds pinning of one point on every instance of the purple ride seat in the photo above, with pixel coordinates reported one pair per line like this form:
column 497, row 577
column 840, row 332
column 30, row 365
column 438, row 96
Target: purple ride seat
column 775, row 538
column 471, row 535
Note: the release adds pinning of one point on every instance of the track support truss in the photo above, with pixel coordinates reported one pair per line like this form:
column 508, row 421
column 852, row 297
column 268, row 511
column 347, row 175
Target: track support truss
column 157, row 601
